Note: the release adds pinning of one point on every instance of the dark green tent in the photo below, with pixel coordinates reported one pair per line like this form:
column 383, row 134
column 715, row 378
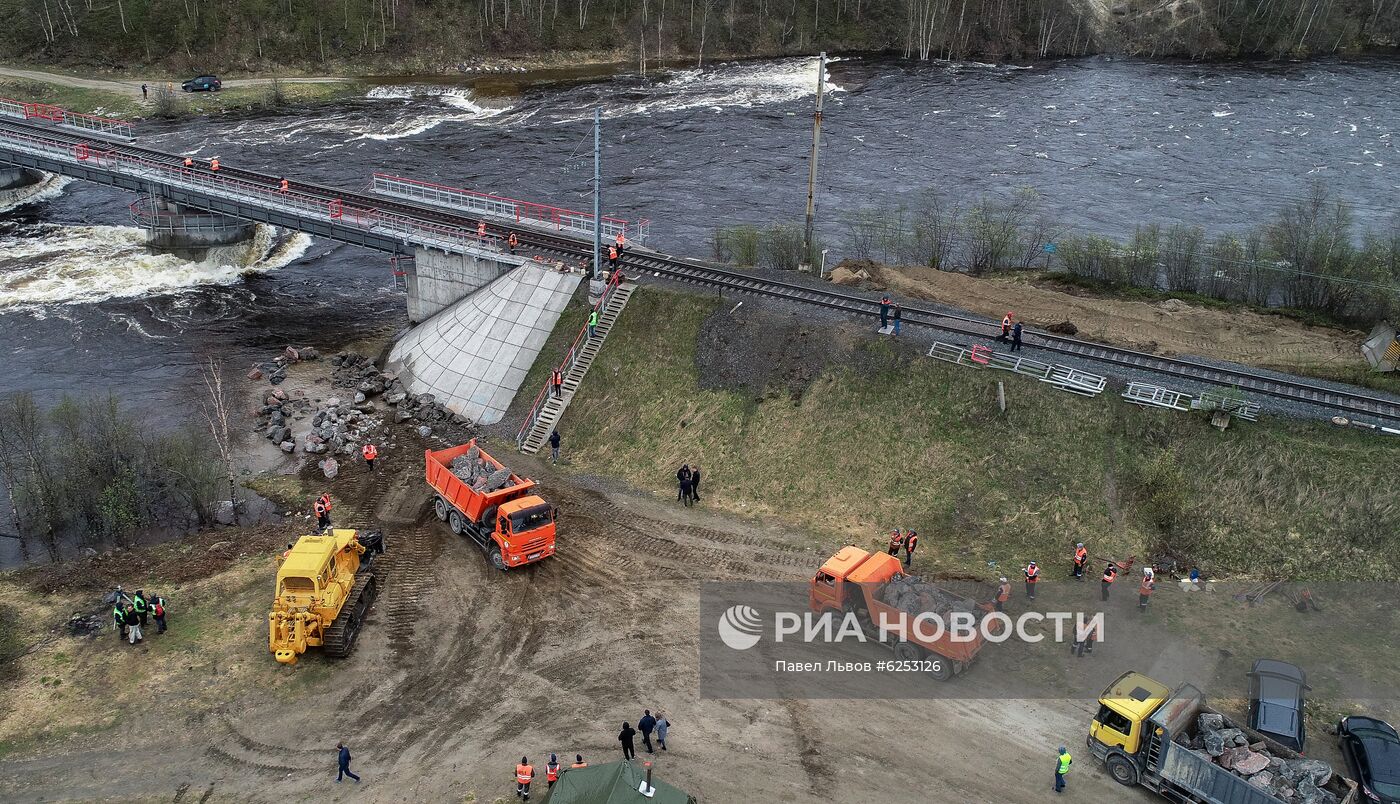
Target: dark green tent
column 612, row 783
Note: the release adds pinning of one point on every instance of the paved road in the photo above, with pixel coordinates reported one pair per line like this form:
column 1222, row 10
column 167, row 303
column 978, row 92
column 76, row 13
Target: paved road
column 132, row 86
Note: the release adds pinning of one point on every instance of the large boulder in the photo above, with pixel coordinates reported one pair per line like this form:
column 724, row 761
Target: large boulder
column 1215, row 744
column 1248, row 763
column 1210, row 721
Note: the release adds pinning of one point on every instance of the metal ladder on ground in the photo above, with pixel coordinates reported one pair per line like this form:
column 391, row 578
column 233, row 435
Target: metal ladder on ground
column 548, row 409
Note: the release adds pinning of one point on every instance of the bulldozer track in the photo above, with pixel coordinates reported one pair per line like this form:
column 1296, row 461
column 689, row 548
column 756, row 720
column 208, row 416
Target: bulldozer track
column 339, row 640
column 408, row 560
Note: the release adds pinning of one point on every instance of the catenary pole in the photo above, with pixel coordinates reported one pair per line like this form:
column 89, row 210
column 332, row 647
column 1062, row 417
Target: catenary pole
column 812, row 163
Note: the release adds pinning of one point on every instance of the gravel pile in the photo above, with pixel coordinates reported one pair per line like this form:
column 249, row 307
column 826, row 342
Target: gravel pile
column 1300, row 780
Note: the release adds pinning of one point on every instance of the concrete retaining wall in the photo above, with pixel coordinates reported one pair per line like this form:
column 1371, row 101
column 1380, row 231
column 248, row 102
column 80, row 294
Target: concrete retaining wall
column 438, row 280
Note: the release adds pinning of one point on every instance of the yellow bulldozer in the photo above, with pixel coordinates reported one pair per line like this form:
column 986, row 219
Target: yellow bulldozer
column 325, row 587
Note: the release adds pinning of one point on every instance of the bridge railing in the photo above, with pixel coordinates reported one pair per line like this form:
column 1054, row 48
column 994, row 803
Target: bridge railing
column 105, row 126
column 496, row 206
column 399, row 227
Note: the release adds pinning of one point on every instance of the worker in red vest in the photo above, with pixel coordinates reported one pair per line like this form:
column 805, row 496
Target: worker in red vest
column 556, row 383
column 612, row 257
column 1032, row 578
column 551, row 771
column 481, row 230
column 323, row 515
column 578, row 762
column 1145, row 589
column 189, row 163
column 214, row 164
column 283, row 185
column 910, row 542
column 1081, row 558
column 1003, row 594
column 512, row 241
column 621, row 242
column 524, row 774
column 370, row 452
column 896, row 541
column 1110, row 574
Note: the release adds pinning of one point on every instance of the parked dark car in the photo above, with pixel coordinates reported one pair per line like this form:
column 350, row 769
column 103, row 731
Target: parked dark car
column 204, row 83
column 1276, row 701
column 1371, row 749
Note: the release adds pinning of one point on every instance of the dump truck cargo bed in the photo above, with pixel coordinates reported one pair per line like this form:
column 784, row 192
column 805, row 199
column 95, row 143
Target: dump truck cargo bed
column 471, row 502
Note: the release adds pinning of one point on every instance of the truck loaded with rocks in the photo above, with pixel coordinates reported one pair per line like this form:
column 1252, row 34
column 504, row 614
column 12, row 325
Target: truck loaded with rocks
column 1172, row 742
column 481, row 499
column 887, row 603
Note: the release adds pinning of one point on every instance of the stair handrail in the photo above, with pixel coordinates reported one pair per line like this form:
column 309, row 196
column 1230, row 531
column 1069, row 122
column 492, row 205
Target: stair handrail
column 570, row 358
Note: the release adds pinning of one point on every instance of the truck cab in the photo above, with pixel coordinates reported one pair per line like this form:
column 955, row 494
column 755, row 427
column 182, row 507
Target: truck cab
column 829, row 588
column 1123, row 712
column 525, row 530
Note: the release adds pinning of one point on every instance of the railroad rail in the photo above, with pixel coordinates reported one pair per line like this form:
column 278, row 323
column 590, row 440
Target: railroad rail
column 694, row 272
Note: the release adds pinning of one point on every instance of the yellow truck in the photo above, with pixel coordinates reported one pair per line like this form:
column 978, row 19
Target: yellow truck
column 1143, row 732
column 325, row 587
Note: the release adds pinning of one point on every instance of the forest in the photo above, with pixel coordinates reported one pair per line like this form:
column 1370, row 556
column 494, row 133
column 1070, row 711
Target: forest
column 358, row 36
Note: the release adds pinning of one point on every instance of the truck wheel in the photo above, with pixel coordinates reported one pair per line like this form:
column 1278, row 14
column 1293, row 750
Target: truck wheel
column 907, row 652
column 1122, row 769
column 454, row 521
column 942, row 668
column 497, row 560
column 488, row 517
column 440, row 508
column 857, row 607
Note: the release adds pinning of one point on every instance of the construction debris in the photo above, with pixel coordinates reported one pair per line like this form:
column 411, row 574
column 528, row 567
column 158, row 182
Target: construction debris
column 480, row 473
column 1299, row 780
column 910, row 594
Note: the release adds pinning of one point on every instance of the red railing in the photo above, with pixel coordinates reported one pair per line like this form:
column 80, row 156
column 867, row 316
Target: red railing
column 57, row 114
column 567, row 365
column 507, row 208
column 400, row 227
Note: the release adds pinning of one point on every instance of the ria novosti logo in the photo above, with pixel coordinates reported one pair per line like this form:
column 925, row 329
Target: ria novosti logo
column 740, row 627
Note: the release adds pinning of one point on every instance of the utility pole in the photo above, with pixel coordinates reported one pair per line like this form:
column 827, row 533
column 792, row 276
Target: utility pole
column 812, row 163
column 597, row 197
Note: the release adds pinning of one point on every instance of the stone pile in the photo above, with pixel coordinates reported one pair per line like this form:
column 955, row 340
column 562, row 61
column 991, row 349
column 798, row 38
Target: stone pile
column 274, row 419
column 911, row 595
column 340, row 428
column 275, row 370
column 1293, row 780
column 478, row 472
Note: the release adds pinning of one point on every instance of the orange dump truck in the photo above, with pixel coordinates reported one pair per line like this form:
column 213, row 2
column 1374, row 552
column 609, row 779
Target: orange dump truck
column 480, row 499
column 874, row 588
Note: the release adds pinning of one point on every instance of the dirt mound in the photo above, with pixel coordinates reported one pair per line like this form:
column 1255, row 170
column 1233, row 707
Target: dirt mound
column 766, row 353
column 197, row 556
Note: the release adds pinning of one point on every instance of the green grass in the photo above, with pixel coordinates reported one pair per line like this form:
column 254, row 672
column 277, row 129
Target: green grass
column 894, row 439
column 75, row 99
column 234, row 99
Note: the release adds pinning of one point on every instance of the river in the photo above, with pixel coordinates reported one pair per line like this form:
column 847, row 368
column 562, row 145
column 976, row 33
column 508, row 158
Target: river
column 1109, row 142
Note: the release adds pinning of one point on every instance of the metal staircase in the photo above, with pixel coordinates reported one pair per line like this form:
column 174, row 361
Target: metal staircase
column 548, row 409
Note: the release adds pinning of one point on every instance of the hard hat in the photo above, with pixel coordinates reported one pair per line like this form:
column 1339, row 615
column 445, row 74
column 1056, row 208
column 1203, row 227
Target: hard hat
column 1081, row 544
column 1147, row 571
column 1032, row 563
column 1003, row 579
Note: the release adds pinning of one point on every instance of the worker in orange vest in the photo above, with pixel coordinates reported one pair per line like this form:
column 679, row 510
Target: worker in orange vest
column 323, row 516
column 1032, row 578
column 1003, row 594
column 556, row 383
column 1110, row 574
column 283, row 185
column 1005, row 335
column 189, row 163
column 578, row 762
column 551, row 771
column 481, row 230
column 285, row 553
column 370, row 452
column 612, row 257
column 896, row 541
column 214, row 164
column 1081, row 557
column 512, row 241
column 621, row 242
column 1145, row 589
column 524, row 773
column 910, row 542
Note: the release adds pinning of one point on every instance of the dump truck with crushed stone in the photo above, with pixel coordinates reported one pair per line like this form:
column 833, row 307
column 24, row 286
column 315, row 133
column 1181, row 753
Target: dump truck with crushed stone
column 481, row 499
column 874, row 588
column 1173, row 743
column 325, row 587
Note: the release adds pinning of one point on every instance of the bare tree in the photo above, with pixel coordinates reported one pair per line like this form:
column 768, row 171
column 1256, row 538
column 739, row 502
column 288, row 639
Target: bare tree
column 216, row 410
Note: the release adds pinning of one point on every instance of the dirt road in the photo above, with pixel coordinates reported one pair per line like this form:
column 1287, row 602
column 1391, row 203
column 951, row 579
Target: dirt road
column 132, row 86
column 462, row 669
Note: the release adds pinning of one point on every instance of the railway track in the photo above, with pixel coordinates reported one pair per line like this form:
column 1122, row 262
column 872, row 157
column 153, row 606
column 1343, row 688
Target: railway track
column 694, row 272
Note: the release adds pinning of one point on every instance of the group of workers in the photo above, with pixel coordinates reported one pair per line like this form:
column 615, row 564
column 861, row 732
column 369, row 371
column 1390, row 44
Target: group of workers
column 688, row 484
column 890, row 311
column 908, row 540
column 525, row 773
column 1010, row 333
column 130, row 614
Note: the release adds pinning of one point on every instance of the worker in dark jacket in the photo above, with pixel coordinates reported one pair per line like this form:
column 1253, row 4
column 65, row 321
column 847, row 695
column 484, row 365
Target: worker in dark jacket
column 645, row 725
column 158, row 606
column 119, row 619
column 695, row 482
column 629, row 750
column 884, row 312
column 554, row 446
column 343, row 759
column 133, row 624
column 683, row 484
column 1016, row 337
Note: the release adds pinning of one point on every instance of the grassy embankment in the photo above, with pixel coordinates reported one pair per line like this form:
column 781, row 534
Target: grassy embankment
column 891, row 438
column 233, row 99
